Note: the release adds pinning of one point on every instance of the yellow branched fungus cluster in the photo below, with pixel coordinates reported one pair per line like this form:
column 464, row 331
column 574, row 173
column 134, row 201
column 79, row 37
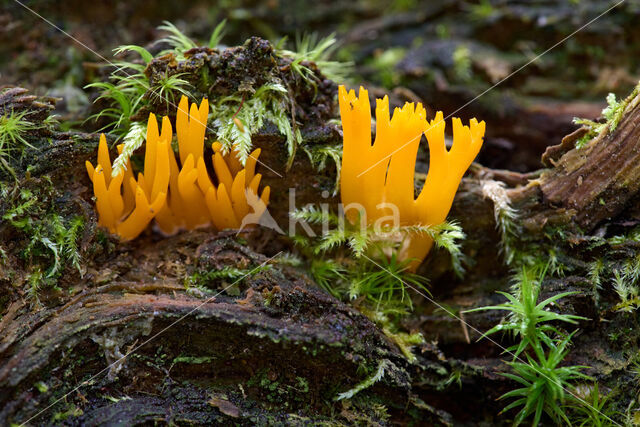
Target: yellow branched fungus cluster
column 379, row 177
column 177, row 197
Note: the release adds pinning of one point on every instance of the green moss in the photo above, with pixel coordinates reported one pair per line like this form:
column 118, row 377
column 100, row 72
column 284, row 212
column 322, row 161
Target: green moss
column 210, row 279
column 405, row 341
column 382, row 280
column 309, row 49
column 462, row 63
column 15, row 133
column 597, row 410
column 385, row 65
column 148, row 84
column 46, row 240
column 376, row 376
column 541, row 347
column 191, row 360
column 618, row 268
column 612, row 113
column 279, row 392
column 318, row 156
column 41, row 387
column 268, row 103
column 380, row 285
column 596, row 269
column 71, row 411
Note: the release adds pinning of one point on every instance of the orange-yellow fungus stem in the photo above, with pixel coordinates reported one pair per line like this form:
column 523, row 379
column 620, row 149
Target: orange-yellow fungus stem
column 178, row 195
column 377, row 180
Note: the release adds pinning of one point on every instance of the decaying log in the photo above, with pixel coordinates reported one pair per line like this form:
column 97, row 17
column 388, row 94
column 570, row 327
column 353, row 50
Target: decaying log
column 581, row 188
column 275, row 347
column 273, row 333
column 597, row 182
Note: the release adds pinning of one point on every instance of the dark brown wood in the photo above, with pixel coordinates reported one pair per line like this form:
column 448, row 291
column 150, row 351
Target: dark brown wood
column 275, row 325
column 597, row 181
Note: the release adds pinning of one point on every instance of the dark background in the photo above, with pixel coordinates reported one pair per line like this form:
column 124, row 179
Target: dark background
column 442, row 53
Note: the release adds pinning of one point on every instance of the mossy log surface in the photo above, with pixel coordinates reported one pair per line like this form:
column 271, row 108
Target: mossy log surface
column 597, row 182
column 271, row 348
column 274, row 348
column 279, row 336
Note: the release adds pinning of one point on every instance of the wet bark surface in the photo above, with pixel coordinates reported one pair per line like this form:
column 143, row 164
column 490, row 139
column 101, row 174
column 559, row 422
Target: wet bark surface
column 286, row 341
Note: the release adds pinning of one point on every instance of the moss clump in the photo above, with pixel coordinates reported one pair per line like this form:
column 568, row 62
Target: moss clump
column 42, row 232
column 248, row 86
column 24, row 121
column 280, row 392
column 612, row 114
column 207, row 280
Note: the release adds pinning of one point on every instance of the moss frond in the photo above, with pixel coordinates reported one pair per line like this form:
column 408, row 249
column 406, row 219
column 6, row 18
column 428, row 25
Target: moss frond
column 537, row 365
column 313, row 215
column 318, row 156
column 237, row 117
column 310, row 48
column 612, row 113
column 130, row 90
column 144, row 53
column 326, row 272
column 375, row 239
column 217, row 35
column 383, row 365
column 268, row 103
column 178, row 41
column 45, row 240
column 169, row 87
column 287, row 258
column 386, row 284
column 448, row 236
column 462, row 62
column 208, row 279
column 131, row 142
column 505, row 217
column 14, row 128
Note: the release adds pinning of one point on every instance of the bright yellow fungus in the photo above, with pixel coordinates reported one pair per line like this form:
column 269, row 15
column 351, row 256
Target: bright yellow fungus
column 178, row 195
column 378, row 179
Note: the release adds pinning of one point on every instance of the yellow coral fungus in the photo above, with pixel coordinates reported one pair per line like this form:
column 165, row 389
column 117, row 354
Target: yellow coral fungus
column 178, row 197
column 133, row 203
column 377, row 179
